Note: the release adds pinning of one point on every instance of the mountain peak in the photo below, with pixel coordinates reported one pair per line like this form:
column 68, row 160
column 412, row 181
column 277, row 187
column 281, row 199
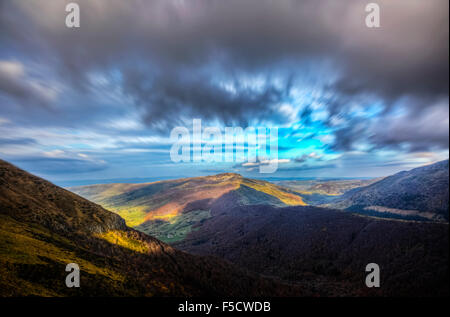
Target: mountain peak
column 227, row 176
column 169, row 200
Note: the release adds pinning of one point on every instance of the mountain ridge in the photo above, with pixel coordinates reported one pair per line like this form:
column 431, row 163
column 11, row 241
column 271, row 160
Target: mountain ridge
column 44, row 227
column 422, row 191
column 169, row 200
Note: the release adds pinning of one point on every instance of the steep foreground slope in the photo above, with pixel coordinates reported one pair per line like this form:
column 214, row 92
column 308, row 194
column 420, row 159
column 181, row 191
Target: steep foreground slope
column 422, row 192
column 326, row 250
column 44, row 227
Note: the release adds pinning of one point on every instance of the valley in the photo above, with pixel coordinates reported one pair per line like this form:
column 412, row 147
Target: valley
column 281, row 232
column 171, row 209
column 44, row 227
column 224, row 235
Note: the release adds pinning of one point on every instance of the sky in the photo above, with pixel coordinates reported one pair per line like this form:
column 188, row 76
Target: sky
column 99, row 102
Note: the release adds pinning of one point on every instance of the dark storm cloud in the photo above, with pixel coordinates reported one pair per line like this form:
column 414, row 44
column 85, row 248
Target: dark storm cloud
column 17, row 141
column 416, row 130
column 301, row 159
column 59, row 165
column 419, row 131
column 345, row 137
column 197, row 96
column 305, row 157
column 152, row 45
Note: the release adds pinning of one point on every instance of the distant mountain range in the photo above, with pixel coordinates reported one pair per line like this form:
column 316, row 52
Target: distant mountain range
column 421, row 193
column 44, row 227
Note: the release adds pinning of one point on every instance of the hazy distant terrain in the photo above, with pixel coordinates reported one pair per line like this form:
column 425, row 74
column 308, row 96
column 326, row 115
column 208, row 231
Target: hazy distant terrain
column 325, row 187
column 318, row 192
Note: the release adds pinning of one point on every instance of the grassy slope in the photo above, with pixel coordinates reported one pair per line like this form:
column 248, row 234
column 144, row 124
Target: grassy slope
column 115, row 263
column 176, row 230
column 164, row 209
column 44, row 227
column 29, row 250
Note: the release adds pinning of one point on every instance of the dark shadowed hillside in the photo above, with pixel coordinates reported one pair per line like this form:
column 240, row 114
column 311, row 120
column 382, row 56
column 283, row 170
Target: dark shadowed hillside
column 326, row 250
column 421, row 192
column 44, row 227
